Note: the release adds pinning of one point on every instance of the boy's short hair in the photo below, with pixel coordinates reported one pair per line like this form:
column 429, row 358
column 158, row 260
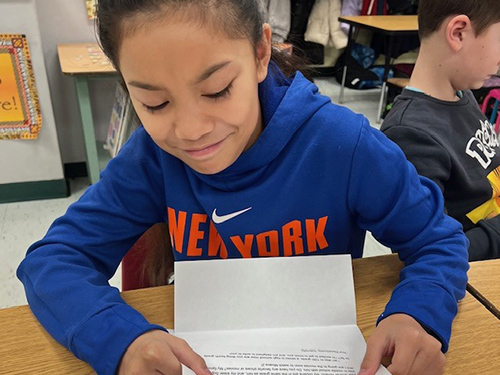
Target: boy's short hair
column 432, row 13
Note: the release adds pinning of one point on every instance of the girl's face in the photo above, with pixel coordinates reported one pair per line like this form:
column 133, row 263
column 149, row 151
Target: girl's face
column 195, row 90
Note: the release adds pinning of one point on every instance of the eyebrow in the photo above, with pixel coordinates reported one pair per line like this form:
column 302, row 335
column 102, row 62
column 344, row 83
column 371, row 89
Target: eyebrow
column 204, row 76
column 146, row 86
column 211, row 71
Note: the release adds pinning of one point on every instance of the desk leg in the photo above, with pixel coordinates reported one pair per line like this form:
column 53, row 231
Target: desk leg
column 82, row 93
column 387, row 67
column 346, row 55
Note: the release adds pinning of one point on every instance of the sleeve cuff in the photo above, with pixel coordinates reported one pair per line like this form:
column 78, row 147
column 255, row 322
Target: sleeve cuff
column 105, row 337
column 435, row 317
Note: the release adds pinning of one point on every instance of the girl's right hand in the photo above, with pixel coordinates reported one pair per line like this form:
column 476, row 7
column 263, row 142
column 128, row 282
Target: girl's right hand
column 157, row 352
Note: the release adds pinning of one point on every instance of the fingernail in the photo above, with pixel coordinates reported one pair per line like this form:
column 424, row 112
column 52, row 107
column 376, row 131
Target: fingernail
column 363, row 372
column 208, row 372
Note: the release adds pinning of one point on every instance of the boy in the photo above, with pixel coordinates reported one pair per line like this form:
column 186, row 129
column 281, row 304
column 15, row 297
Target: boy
column 437, row 121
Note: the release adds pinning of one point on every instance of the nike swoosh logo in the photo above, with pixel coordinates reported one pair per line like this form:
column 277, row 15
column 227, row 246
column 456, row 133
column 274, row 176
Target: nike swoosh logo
column 221, row 219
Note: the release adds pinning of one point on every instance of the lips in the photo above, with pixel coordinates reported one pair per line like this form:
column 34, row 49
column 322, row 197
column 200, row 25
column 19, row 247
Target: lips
column 202, row 152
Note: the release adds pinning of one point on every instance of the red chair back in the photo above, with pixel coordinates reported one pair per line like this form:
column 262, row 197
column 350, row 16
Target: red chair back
column 133, row 264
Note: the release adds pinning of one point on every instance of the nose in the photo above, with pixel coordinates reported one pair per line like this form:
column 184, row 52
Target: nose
column 191, row 123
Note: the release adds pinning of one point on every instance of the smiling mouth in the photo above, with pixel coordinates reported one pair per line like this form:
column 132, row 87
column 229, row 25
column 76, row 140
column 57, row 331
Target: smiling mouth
column 205, row 151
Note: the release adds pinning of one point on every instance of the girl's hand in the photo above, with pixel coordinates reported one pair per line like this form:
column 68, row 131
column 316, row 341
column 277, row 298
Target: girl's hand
column 157, row 352
column 413, row 350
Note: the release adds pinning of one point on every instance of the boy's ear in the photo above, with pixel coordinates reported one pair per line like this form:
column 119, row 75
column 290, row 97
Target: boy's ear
column 458, row 29
column 264, row 53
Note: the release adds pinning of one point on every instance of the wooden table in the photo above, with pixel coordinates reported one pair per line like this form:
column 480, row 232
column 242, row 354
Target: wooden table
column 390, row 27
column 484, row 284
column 27, row 349
column 86, row 61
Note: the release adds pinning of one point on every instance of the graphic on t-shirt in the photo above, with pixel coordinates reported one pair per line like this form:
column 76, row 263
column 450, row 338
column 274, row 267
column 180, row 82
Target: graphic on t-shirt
column 482, row 146
column 492, row 207
column 195, row 236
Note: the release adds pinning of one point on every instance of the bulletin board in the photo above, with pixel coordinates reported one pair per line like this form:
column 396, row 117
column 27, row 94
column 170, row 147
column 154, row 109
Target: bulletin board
column 20, row 114
column 91, row 8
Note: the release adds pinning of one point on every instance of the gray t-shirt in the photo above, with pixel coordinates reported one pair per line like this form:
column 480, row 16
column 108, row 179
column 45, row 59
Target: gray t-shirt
column 453, row 144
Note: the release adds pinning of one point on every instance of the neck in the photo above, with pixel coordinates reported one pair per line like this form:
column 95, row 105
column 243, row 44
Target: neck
column 432, row 75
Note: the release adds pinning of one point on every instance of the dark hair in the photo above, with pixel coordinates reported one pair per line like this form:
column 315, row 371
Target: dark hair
column 432, row 14
column 234, row 18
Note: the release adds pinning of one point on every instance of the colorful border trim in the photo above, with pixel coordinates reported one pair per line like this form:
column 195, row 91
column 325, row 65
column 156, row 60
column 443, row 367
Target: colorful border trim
column 16, row 46
column 91, row 9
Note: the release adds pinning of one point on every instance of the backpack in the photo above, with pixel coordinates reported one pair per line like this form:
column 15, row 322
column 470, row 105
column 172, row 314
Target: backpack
column 359, row 76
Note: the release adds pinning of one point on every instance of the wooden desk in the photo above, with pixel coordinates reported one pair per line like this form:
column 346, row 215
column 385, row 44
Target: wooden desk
column 474, row 342
column 86, row 61
column 389, row 26
column 400, row 25
column 484, row 284
column 27, row 349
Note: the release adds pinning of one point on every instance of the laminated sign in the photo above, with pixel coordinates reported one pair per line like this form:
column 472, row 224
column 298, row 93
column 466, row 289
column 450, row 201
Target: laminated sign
column 20, row 115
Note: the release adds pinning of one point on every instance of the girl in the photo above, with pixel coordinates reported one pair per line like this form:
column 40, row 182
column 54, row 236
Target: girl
column 241, row 159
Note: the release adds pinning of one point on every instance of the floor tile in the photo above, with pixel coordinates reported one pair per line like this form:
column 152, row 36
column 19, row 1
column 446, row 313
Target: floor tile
column 373, row 247
column 3, row 209
column 23, row 224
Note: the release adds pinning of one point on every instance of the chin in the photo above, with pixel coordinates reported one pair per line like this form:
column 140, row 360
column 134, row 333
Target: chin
column 207, row 168
column 208, row 171
column 475, row 86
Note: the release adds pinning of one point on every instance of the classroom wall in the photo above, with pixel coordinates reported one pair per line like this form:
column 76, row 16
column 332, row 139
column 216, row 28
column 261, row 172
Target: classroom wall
column 30, row 160
column 66, row 21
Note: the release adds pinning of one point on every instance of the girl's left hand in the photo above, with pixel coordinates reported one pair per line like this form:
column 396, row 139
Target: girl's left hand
column 413, row 350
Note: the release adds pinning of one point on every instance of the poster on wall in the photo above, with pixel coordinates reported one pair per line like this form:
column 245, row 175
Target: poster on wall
column 91, row 8
column 20, row 114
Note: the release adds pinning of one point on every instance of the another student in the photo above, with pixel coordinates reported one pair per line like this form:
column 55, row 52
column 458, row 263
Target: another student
column 438, row 123
column 242, row 161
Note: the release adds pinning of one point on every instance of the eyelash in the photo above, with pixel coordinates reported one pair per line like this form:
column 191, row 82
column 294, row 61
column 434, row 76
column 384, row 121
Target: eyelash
column 152, row 110
column 219, row 95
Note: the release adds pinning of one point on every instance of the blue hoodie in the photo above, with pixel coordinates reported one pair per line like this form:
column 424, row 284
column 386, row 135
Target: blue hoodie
column 316, row 179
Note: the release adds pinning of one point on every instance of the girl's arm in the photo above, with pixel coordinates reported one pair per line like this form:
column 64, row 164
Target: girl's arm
column 66, row 273
column 405, row 212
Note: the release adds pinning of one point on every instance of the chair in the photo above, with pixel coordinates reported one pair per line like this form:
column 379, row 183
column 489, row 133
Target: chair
column 495, row 95
column 151, row 249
